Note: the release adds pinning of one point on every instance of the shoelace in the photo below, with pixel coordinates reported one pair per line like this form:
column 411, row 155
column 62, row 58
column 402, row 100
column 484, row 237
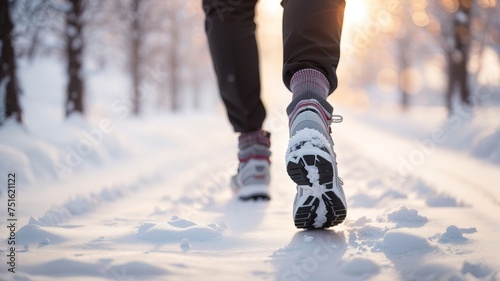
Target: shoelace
column 337, row 118
column 334, row 119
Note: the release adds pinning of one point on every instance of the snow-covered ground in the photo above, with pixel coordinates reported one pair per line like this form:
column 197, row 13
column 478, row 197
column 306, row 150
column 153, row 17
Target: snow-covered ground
column 113, row 197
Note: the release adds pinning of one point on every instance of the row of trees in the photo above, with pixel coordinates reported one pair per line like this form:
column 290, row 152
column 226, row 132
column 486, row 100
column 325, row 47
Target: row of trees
column 406, row 34
column 137, row 35
column 451, row 33
column 471, row 28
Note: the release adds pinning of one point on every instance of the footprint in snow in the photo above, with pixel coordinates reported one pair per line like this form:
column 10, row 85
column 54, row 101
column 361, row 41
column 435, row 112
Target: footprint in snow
column 32, row 233
column 398, row 243
column 404, row 217
column 178, row 229
column 453, row 235
column 478, row 270
column 442, row 200
column 361, row 267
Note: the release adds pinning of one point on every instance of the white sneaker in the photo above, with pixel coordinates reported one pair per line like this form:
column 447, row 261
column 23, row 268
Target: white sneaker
column 251, row 182
column 311, row 163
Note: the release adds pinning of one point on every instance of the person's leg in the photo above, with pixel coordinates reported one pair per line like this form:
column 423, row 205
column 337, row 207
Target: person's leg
column 230, row 29
column 311, row 39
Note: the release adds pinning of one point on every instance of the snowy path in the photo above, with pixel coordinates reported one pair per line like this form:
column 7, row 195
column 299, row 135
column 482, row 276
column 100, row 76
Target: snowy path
column 166, row 213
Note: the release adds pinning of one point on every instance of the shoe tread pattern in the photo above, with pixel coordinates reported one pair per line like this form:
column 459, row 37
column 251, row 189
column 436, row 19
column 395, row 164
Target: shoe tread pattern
column 305, row 215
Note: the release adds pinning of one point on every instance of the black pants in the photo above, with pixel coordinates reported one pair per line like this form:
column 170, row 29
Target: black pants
column 311, row 39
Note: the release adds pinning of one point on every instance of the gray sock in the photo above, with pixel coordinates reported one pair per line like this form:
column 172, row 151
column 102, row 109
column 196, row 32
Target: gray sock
column 309, row 81
column 309, row 84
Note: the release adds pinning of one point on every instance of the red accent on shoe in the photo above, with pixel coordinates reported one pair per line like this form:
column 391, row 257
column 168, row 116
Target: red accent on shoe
column 260, row 177
column 257, row 157
column 306, row 104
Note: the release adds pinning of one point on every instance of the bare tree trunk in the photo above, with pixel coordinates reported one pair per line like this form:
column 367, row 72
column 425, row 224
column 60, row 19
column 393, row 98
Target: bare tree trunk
column 8, row 78
column 196, row 86
column 195, row 65
column 459, row 54
column 451, row 82
column 174, row 61
column 135, row 57
column 490, row 14
column 404, row 80
column 74, row 51
column 463, row 36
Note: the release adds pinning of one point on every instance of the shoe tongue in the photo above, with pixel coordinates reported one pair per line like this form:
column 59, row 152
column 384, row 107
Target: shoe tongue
column 259, row 137
column 327, row 108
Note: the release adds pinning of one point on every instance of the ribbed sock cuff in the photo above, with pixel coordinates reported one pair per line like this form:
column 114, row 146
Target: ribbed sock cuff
column 259, row 137
column 254, row 145
column 309, row 81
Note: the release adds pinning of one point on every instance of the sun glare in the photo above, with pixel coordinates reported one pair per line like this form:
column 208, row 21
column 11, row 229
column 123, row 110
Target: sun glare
column 356, row 12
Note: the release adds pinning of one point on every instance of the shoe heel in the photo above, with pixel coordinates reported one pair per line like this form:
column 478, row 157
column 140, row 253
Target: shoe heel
column 298, row 173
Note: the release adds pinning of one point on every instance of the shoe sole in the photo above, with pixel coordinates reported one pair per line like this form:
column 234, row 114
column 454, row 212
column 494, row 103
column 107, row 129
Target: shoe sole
column 254, row 193
column 323, row 208
column 255, row 197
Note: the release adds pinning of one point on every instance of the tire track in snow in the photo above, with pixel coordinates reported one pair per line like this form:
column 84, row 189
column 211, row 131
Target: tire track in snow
column 166, row 167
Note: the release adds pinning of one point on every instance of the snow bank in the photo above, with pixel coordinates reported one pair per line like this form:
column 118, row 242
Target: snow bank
column 25, row 153
column 486, row 145
column 71, row 145
column 475, row 131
